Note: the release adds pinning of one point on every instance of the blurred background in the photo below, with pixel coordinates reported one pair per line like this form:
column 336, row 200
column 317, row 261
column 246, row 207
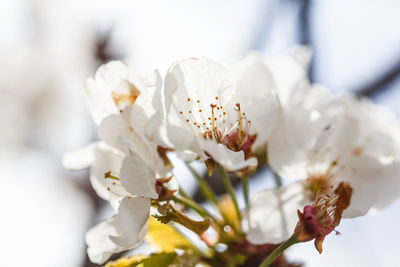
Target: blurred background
column 48, row 48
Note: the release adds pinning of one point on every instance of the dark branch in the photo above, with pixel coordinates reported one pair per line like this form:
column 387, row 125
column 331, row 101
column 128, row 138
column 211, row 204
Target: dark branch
column 305, row 32
column 381, row 83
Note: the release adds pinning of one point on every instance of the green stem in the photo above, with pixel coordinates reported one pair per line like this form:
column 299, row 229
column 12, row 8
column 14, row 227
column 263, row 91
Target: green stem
column 229, row 188
column 191, row 204
column 187, row 202
column 245, row 184
column 278, row 179
column 279, row 250
column 183, row 193
column 203, row 185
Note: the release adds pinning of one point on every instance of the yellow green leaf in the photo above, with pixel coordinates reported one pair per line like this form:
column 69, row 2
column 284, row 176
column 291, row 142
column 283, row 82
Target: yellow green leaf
column 153, row 260
column 228, row 211
column 165, row 238
column 127, row 262
column 158, row 260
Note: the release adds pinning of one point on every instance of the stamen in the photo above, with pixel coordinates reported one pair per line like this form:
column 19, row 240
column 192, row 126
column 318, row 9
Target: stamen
column 216, row 126
column 110, row 176
column 213, row 117
column 331, row 166
column 240, row 122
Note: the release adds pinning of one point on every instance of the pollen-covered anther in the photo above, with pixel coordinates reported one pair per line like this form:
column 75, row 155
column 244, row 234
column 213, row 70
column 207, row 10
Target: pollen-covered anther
column 212, row 123
column 108, row 175
column 320, row 182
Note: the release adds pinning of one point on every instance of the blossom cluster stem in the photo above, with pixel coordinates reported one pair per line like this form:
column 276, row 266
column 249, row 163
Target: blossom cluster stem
column 203, row 185
column 277, row 178
column 183, row 193
column 279, row 250
column 187, row 202
column 245, row 184
column 229, row 188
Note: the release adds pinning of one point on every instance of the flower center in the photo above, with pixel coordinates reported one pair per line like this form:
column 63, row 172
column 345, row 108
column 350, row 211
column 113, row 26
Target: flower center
column 325, row 213
column 125, row 94
column 320, row 182
column 212, row 123
column 328, row 208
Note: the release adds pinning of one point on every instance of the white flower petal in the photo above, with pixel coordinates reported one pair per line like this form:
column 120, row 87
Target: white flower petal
column 230, row 160
column 131, row 221
column 254, row 77
column 264, row 114
column 375, row 185
column 301, row 54
column 79, row 159
column 199, row 79
column 294, row 138
column 100, row 246
column 112, row 127
column 137, row 177
column 273, row 214
column 113, row 76
column 93, row 97
column 256, row 94
column 107, row 159
column 182, row 139
column 289, row 144
column 288, row 75
column 148, row 153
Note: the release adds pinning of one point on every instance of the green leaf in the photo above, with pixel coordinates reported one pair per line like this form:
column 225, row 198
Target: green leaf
column 127, row 262
column 153, row 260
column 165, row 238
column 158, row 260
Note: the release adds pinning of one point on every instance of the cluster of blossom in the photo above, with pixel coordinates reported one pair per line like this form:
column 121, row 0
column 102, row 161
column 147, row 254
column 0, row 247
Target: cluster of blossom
column 341, row 152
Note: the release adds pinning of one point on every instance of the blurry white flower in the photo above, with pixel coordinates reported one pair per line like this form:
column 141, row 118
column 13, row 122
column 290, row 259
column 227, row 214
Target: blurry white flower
column 210, row 112
column 130, row 195
column 113, row 87
column 288, row 73
column 359, row 149
column 125, row 164
column 115, row 98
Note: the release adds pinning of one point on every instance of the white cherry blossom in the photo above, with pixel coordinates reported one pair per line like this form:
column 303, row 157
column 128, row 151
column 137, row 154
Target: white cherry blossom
column 213, row 112
column 114, row 87
column 124, row 150
column 126, row 163
column 360, row 146
column 130, row 195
